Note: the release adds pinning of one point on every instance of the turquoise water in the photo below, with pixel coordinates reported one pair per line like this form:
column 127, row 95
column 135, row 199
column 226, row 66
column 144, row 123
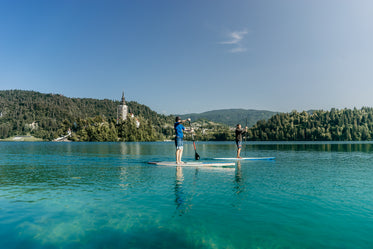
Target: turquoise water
column 105, row 195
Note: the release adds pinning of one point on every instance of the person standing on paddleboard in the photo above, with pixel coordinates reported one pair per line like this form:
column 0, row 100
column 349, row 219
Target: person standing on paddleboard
column 239, row 133
column 179, row 128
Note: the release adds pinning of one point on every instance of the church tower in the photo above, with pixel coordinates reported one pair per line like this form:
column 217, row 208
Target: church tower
column 122, row 110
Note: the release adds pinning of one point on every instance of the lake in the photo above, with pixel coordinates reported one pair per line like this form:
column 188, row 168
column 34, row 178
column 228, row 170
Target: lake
column 105, row 195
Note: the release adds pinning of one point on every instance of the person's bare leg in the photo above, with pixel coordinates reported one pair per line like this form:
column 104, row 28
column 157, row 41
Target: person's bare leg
column 180, row 156
column 238, row 152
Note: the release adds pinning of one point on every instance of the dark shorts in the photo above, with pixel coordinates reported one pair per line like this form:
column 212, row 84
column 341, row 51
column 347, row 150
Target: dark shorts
column 179, row 143
column 239, row 144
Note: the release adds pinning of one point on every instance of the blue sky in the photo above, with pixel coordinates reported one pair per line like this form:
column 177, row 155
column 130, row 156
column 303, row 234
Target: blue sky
column 192, row 56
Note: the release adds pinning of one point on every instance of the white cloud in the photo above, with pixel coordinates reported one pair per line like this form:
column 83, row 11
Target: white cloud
column 235, row 39
column 238, row 50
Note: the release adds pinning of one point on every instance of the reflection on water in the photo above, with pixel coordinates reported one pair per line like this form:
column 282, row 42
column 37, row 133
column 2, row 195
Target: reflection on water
column 184, row 199
column 314, row 146
column 179, row 195
column 239, row 184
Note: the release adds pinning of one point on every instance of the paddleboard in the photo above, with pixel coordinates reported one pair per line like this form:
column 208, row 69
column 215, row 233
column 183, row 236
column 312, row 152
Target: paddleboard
column 246, row 158
column 194, row 164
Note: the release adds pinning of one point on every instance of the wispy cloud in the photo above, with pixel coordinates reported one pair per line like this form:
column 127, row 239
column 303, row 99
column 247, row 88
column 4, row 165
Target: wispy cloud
column 235, row 39
column 238, row 50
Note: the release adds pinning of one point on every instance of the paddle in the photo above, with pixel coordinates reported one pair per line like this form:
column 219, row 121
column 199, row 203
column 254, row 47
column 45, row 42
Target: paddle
column 196, row 156
column 245, row 136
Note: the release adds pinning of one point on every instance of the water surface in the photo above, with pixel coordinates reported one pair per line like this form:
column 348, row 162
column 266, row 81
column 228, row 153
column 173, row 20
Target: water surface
column 105, row 195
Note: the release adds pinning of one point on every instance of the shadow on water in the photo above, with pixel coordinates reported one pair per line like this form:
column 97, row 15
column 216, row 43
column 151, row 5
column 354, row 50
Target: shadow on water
column 152, row 238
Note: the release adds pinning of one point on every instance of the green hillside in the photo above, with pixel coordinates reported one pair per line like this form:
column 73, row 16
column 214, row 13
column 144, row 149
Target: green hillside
column 333, row 125
column 27, row 114
column 232, row 117
column 49, row 116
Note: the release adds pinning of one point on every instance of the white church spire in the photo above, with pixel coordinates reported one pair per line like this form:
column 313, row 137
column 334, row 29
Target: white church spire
column 122, row 110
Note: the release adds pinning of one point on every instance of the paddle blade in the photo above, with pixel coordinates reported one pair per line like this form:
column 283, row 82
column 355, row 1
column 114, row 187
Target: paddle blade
column 196, row 156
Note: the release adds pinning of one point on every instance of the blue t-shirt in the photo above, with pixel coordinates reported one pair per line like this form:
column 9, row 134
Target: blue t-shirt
column 179, row 129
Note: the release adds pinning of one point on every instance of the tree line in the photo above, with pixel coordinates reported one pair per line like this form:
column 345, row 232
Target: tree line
column 320, row 125
column 52, row 115
column 49, row 116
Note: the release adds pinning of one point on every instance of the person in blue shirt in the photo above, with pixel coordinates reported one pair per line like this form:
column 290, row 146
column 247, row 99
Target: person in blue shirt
column 179, row 129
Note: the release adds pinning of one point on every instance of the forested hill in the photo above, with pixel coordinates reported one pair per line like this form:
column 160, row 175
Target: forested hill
column 232, row 117
column 333, row 125
column 52, row 112
column 30, row 106
column 49, row 116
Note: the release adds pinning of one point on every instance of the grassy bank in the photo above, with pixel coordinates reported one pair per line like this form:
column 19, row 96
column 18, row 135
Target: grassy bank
column 22, row 139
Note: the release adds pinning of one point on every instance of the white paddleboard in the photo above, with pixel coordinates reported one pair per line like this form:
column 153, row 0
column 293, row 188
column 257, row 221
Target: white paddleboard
column 246, row 158
column 194, row 164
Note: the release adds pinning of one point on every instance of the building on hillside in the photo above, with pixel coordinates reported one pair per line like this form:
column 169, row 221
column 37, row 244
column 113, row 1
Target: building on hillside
column 32, row 126
column 122, row 110
column 137, row 123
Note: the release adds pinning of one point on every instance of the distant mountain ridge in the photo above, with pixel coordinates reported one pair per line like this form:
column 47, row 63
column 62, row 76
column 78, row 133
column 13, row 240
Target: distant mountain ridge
column 232, row 117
